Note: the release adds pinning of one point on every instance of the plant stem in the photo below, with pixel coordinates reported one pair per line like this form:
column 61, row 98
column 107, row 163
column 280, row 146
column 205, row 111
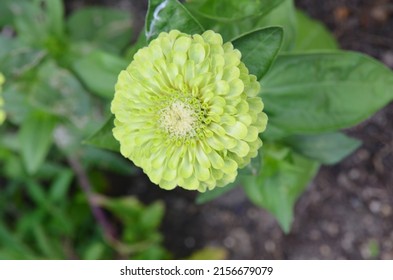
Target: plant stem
column 84, row 183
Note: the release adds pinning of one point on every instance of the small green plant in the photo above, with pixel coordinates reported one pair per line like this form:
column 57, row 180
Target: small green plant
column 310, row 90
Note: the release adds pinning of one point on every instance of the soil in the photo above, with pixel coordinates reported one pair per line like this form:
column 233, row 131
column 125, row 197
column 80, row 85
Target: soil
column 346, row 212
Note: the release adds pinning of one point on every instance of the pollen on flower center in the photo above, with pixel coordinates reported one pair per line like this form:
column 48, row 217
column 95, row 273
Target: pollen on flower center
column 178, row 120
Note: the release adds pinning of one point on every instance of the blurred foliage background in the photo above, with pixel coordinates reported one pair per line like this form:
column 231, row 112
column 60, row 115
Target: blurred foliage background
column 60, row 71
column 58, row 196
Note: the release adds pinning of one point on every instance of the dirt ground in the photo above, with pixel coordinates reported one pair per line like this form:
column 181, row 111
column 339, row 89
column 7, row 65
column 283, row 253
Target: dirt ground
column 347, row 211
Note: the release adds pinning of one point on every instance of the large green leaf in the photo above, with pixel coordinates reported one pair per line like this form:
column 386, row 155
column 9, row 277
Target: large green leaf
column 259, row 49
column 103, row 138
column 99, row 71
column 312, row 35
column 315, row 93
column 106, row 28
column 231, row 10
column 35, row 138
column 284, row 176
column 240, row 17
column 165, row 15
column 327, row 148
column 283, row 15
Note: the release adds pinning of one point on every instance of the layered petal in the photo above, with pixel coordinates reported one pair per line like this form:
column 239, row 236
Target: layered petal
column 187, row 111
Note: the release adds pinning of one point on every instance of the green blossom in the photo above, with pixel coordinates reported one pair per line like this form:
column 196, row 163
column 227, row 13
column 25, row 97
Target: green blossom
column 187, row 111
column 2, row 114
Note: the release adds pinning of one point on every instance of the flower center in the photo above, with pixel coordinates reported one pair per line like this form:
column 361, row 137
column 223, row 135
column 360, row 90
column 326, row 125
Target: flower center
column 178, row 120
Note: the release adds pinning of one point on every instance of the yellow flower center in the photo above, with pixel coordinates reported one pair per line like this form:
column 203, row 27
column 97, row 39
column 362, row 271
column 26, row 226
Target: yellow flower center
column 178, row 120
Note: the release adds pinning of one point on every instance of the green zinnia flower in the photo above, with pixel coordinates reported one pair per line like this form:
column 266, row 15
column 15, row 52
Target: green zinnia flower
column 187, row 111
column 2, row 114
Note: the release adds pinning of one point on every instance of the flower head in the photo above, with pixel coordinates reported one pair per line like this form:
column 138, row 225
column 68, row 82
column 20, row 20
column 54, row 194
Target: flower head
column 187, row 111
column 2, row 114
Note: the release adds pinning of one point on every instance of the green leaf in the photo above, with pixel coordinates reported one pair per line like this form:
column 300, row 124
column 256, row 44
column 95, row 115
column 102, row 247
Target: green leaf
column 130, row 209
column 60, row 185
column 40, row 24
column 140, row 43
column 30, row 23
column 37, row 193
column 6, row 7
column 316, row 93
column 35, row 138
column 165, row 15
column 259, row 49
column 312, row 35
column 55, row 13
column 284, row 176
column 283, row 15
column 46, row 243
column 13, row 245
column 231, row 10
column 233, row 18
column 107, row 160
column 139, row 222
column 253, row 168
column 16, row 58
column 16, row 103
column 152, row 215
column 215, row 193
column 94, row 251
column 56, row 91
column 327, row 148
column 108, row 29
column 99, row 71
column 103, row 138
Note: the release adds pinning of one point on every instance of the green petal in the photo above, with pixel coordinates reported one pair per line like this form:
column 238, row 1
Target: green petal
column 238, row 130
column 182, row 44
column 169, row 174
column 202, row 173
column 215, row 143
column 252, row 134
column 191, row 183
column 241, row 149
column 197, row 53
column 168, row 185
column 186, row 167
column 216, row 160
column 201, row 157
column 212, row 38
column 236, row 87
column 230, row 166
